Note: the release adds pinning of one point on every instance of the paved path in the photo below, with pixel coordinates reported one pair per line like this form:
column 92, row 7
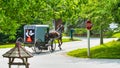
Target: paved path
column 58, row 59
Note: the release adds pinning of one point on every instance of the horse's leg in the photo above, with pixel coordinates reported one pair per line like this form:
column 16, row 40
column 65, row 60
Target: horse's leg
column 61, row 40
column 52, row 45
column 60, row 43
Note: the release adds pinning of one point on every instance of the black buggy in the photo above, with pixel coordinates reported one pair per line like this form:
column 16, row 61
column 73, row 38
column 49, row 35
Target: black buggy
column 36, row 36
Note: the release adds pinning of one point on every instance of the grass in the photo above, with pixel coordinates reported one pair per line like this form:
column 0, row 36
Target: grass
column 12, row 45
column 7, row 46
column 110, row 50
column 117, row 35
column 68, row 39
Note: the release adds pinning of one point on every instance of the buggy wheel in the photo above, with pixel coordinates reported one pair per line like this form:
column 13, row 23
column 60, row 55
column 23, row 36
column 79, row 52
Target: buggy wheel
column 52, row 45
column 20, row 40
column 37, row 46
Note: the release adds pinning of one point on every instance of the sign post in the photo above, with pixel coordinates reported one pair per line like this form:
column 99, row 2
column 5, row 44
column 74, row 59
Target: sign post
column 88, row 26
column 88, row 36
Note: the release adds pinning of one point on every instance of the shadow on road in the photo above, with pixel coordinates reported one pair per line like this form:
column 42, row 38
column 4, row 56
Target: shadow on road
column 46, row 52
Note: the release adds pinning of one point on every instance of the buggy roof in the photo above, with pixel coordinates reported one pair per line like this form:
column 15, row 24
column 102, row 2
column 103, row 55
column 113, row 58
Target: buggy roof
column 33, row 26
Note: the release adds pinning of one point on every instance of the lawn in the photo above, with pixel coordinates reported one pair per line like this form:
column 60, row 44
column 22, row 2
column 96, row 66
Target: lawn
column 7, row 46
column 117, row 35
column 69, row 40
column 64, row 40
column 110, row 50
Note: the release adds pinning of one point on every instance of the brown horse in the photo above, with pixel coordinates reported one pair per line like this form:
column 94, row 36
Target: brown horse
column 57, row 34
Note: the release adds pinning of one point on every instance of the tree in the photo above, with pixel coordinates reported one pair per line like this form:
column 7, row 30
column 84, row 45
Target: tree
column 98, row 11
column 72, row 13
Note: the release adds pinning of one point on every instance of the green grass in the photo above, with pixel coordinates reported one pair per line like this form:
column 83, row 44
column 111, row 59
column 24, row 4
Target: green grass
column 12, row 45
column 68, row 39
column 110, row 50
column 7, row 46
column 117, row 35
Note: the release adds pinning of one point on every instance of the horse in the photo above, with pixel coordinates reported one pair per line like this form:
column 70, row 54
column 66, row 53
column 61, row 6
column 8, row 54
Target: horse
column 57, row 34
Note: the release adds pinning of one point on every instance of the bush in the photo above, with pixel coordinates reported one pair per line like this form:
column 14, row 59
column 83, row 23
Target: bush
column 80, row 31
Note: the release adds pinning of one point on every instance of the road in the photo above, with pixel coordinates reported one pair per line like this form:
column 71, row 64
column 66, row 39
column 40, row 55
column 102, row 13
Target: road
column 59, row 59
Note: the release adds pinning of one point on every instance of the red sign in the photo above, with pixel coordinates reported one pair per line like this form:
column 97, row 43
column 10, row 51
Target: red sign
column 88, row 25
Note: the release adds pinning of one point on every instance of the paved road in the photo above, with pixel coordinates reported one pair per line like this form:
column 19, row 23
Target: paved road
column 59, row 59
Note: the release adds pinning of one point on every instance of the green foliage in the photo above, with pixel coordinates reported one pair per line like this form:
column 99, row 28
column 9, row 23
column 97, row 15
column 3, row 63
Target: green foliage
column 109, row 50
column 80, row 31
column 15, row 13
column 108, row 33
column 4, row 38
column 100, row 14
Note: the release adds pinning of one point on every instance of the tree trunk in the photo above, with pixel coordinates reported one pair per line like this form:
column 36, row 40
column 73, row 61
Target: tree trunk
column 101, row 34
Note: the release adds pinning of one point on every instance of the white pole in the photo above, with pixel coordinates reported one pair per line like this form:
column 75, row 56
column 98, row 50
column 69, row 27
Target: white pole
column 88, row 35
